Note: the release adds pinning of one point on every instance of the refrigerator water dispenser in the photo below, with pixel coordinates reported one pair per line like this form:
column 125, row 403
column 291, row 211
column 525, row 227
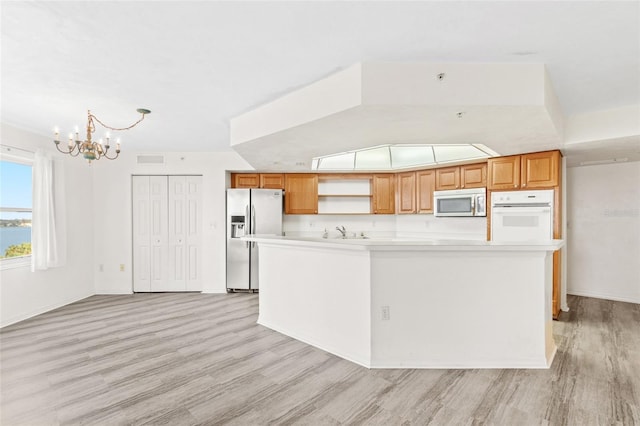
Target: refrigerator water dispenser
column 237, row 226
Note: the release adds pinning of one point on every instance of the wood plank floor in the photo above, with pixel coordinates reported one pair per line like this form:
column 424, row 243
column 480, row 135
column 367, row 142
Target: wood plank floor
column 202, row 359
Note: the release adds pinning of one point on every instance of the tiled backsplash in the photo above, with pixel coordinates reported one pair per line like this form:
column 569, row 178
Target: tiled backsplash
column 385, row 226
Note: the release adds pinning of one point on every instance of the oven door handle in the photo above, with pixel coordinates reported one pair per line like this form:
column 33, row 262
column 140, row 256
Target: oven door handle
column 521, row 210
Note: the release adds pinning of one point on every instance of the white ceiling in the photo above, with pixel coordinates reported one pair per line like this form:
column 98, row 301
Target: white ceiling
column 198, row 64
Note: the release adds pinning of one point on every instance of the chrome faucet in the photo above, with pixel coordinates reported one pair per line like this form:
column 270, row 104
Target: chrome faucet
column 342, row 230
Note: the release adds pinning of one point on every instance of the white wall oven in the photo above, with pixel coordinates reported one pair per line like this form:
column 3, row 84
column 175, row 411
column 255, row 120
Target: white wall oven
column 460, row 202
column 522, row 215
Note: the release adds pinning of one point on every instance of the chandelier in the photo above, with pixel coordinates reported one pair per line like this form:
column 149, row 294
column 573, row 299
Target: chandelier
column 94, row 150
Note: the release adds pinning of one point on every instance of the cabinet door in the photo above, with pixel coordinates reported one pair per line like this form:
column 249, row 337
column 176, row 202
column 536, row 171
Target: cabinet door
column 540, row 169
column 447, row 178
column 406, row 193
column 245, row 180
column 272, row 180
column 473, row 175
column 384, row 199
column 504, row 172
column 301, row 193
column 425, row 185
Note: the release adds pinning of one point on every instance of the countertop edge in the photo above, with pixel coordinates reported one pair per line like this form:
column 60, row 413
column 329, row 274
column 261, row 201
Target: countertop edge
column 401, row 244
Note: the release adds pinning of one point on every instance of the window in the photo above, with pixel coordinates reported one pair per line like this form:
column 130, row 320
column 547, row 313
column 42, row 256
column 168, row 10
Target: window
column 402, row 156
column 15, row 211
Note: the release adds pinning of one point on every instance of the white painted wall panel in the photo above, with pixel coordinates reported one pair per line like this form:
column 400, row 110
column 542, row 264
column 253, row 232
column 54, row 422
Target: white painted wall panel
column 603, row 213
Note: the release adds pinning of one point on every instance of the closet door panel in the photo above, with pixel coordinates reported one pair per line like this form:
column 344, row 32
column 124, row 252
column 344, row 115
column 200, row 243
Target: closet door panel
column 159, row 232
column 175, row 278
column 141, row 234
column 193, row 227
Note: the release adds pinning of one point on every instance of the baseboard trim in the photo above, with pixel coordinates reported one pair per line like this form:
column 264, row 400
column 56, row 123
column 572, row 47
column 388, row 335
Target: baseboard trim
column 598, row 295
column 43, row 310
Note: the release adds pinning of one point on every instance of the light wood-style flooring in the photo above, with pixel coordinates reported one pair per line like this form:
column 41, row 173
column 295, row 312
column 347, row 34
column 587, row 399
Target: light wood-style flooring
column 186, row 359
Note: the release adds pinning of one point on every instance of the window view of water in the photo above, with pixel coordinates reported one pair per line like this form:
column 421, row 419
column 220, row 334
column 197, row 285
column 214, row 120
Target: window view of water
column 13, row 235
column 15, row 209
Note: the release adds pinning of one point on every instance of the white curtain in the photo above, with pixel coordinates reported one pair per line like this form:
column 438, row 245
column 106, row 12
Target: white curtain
column 48, row 233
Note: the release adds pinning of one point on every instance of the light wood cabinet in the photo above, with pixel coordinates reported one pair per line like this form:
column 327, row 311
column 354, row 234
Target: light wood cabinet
column 257, row 180
column 473, row 176
column 504, row 172
column 272, row 180
column 447, row 178
column 384, row 198
column 540, row 170
column 526, row 171
column 461, row 177
column 301, row 193
column 415, row 191
column 245, row 180
column 406, row 194
column 425, row 185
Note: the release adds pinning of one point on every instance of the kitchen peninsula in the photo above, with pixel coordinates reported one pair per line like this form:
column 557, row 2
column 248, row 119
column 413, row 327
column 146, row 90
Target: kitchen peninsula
column 402, row 303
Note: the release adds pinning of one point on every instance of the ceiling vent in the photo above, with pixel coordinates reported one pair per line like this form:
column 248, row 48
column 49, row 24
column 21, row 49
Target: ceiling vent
column 150, row 159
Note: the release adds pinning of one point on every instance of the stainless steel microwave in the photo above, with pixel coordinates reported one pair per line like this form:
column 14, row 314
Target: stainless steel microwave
column 460, row 202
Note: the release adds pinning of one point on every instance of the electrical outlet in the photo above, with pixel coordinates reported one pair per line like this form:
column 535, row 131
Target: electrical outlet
column 386, row 315
column 122, row 267
column 101, row 268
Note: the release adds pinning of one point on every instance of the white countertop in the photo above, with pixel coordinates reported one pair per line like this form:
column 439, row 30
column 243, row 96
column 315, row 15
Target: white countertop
column 406, row 244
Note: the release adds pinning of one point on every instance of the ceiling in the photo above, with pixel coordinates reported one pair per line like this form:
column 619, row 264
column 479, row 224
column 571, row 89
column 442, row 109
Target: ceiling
column 196, row 65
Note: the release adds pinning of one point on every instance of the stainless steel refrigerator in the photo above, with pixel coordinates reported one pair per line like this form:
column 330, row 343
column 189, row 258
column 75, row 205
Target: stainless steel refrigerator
column 249, row 211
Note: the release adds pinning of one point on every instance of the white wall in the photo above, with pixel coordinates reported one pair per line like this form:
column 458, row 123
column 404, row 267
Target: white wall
column 24, row 293
column 454, row 228
column 112, row 203
column 381, row 226
column 603, row 213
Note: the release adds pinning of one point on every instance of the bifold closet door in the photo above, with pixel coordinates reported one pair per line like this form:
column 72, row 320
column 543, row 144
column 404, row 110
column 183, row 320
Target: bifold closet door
column 185, row 233
column 150, row 236
column 167, row 233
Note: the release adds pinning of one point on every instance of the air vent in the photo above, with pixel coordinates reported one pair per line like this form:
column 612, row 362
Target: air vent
column 150, row 159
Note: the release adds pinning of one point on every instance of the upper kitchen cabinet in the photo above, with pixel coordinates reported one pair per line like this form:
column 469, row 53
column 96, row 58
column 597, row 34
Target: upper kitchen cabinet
column 535, row 170
column 272, row 180
column 473, row 176
column 461, row 177
column 406, row 193
column 540, row 169
column 257, row 180
column 245, row 180
column 415, row 191
column 384, row 198
column 301, row 193
column 504, row 172
column 447, row 178
column 425, row 185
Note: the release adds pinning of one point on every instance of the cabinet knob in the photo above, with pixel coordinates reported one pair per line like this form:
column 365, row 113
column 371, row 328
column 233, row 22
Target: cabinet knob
column 515, row 186
column 524, row 184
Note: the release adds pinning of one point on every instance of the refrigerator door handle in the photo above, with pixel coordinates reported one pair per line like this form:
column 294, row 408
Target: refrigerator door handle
column 246, row 215
column 253, row 223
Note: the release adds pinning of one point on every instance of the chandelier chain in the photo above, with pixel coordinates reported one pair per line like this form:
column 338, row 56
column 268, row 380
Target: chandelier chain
column 116, row 128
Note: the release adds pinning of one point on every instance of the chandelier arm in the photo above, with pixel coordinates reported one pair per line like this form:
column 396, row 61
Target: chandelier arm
column 71, row 150
column 117, row 128
column 111, row 158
